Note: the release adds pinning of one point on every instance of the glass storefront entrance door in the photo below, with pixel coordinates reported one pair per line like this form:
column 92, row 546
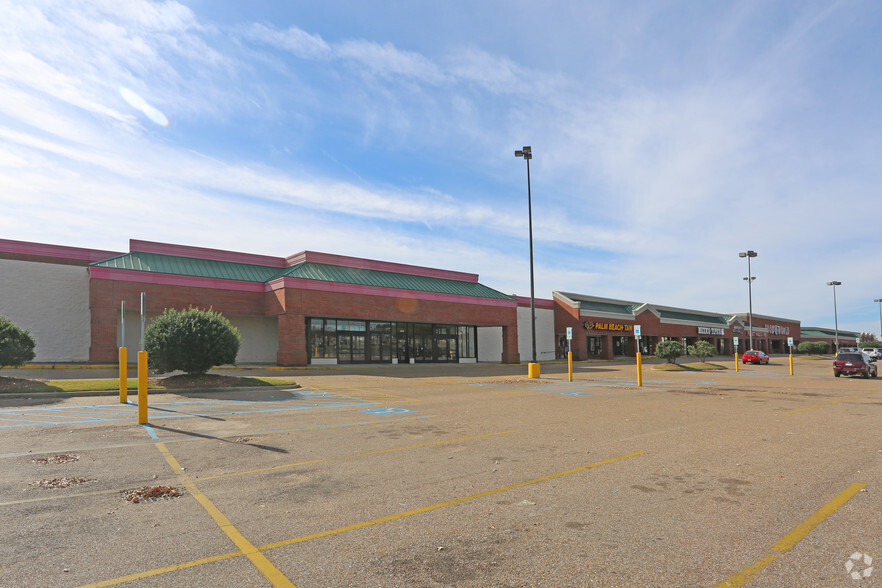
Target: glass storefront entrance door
column 350, row 341
column 445, row 343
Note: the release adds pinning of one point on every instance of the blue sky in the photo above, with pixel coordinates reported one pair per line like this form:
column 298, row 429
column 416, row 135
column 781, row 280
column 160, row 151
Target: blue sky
column 667, row 137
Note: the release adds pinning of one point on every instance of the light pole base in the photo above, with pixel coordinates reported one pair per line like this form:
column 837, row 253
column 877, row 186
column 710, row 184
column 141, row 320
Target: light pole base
column 532, row 370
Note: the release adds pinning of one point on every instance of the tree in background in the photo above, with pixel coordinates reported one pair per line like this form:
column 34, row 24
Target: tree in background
column 16, row 345
column 702, row 350
column 868, row 338
column 193, row 341
column 669, row 350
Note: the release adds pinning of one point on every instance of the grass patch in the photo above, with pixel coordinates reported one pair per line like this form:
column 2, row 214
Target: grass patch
column 688, row 367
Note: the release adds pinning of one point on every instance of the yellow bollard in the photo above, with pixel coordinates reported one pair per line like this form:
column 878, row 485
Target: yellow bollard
column 736, row 361
column 142, row 387
column 639, row 370
column 123, row 375
column 791, row 364
column 533, row 370
column 570, row 364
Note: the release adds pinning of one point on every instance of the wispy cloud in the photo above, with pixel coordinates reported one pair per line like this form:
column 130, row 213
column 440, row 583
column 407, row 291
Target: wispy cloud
column 657, row 156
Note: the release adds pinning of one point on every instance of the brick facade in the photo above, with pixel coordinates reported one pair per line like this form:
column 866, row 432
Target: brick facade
column 612, row 334
column 292, row 305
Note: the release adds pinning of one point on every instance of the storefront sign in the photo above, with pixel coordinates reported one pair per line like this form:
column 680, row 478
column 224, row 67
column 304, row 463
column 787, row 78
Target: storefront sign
column 607, row 326
column 711, row 331
column 777, row 330
column 737, row 329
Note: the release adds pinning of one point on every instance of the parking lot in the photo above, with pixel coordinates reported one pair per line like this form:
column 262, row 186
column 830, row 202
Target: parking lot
column 453, row 476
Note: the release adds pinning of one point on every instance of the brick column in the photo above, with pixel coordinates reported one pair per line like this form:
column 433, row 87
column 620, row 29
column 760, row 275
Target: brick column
column 292, row 339
column 510, row 352
column 607, row 347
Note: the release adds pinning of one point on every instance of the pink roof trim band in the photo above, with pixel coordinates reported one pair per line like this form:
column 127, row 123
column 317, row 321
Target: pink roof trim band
column 540, row 302
column 57, row 251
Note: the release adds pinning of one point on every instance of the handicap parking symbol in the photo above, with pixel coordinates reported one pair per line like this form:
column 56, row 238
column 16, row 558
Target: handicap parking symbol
column 386, row 411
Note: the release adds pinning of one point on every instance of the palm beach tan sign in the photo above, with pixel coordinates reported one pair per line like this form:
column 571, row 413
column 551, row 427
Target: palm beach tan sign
column 591, row 325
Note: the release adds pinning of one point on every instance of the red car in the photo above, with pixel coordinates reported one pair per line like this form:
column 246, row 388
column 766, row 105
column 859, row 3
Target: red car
column 754, row 356
column 853, row 364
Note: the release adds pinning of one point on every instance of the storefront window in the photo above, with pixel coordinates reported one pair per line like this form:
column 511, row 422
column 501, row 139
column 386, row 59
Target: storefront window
column 352, row 341
column 467, row 347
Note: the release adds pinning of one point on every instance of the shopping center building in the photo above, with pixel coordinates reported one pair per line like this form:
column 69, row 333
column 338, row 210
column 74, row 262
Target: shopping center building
column 324, row 309
column 309, row 308
column 603, row 328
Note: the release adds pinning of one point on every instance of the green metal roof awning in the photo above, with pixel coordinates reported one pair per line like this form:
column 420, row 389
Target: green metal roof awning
column 697, row 318
column 225, row 270
column 589, row 304
column 189, row 266
column 366, row 277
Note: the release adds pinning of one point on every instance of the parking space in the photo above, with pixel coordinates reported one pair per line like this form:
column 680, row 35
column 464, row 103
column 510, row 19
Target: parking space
column 453, row 475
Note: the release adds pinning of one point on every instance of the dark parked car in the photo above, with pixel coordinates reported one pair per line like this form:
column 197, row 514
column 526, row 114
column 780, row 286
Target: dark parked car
column 754, row 356
column 854, row 364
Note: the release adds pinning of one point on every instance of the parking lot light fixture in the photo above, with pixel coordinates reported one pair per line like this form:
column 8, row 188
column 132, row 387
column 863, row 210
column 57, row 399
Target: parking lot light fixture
column 879, row 300
column 750, row 278
column 527, row 153
column 834, row 283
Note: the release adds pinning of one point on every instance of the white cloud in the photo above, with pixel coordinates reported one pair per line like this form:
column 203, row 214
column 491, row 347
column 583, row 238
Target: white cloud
column 654, row 179
column 293, row 39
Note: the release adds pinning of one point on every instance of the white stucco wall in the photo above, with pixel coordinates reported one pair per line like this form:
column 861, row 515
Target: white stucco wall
column 52, row 302
column 260, row 335
column 545, row 345
column 490, row 344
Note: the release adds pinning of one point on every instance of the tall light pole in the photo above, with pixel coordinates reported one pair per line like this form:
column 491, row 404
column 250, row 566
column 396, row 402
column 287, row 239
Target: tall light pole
column 527, row 153
column 748, row 254
column 879, row 300
column 835, row 315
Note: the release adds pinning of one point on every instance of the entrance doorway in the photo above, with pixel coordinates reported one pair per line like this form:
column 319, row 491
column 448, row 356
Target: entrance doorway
column 595, row 346
column 350, row 341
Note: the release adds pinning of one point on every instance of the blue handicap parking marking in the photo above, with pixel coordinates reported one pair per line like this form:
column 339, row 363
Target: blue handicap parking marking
column 385, row 411
column 576, row 393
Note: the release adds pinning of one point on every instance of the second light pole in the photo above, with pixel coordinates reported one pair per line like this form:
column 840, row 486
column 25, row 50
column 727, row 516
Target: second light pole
column 527, row 153
column 879, row 300
column 748, row 254
column 834, row 283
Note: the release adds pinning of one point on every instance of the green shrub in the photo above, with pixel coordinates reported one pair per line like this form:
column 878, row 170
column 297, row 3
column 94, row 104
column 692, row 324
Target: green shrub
column 193, row 341
column 669, row 350
column 702, row 350
column 16, row 345
column 813, row 347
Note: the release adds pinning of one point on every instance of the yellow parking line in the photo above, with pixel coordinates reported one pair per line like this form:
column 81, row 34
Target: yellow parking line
column 165, row 570
column 56, row 497
column 788, row 541
column 423, row 509
column 157, row 571
column 260, row 561
column 831, row 402
column 365, row 454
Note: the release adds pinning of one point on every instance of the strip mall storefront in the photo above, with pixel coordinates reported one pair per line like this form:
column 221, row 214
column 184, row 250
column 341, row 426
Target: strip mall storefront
column 309, row 308
column 603, row 328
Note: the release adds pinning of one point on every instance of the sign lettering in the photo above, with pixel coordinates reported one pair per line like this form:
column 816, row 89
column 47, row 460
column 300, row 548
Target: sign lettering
column 711, row 331
column 607, row 326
